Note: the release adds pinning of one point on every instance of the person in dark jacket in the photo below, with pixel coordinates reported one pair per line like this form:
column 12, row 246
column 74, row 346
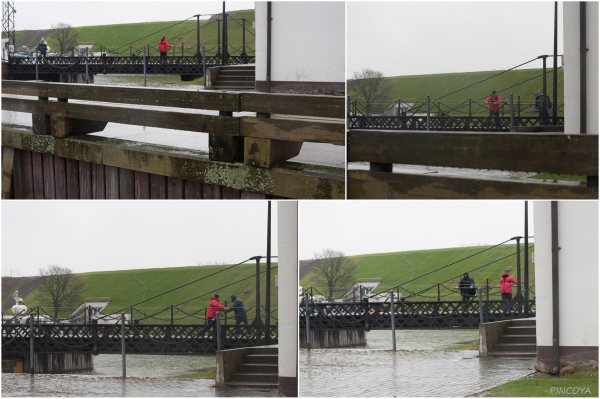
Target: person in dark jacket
column 506, row 283
column 42, row 48
column 238, row 310
column 466, row 287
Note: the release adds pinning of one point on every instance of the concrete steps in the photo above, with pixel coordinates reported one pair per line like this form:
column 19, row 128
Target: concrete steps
column 518, row 341
column 236, row 77
column 258, row 370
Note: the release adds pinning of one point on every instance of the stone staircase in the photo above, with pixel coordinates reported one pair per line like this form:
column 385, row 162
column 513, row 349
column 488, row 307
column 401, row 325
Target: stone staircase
column 235, row 77
column 519, row 340
column 258, row 370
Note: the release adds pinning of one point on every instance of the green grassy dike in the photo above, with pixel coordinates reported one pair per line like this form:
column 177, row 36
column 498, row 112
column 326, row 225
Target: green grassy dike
column 579, row 384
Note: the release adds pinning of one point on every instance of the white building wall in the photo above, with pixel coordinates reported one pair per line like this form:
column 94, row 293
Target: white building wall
column 578, row 273
column 571, row 61
column 307, row 41
column 287, row 219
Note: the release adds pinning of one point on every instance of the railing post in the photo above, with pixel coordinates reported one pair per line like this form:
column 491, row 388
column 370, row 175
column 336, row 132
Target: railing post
column 244, row 55
column 307, row 319
column 439, row 296
column 123, row 368
column 38, row 315
column 480, row 305
column 31, row 335
column 512, row 112
column 145, row 66
column 392, row 313
column 428, row 113
column 218, row 327
column 95, row 337
column 171, row 314
column 37, row 77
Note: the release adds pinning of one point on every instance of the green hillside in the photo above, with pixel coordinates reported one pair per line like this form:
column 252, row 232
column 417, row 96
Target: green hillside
column 399, row 267
column 138, row 35
column 127, row 287
column 521, row 82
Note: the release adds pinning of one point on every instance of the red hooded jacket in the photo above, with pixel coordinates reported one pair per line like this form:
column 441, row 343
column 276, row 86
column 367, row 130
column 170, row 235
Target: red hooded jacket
column 164, row 45
column 214, row 307
column 505, row 283
column 494, row 100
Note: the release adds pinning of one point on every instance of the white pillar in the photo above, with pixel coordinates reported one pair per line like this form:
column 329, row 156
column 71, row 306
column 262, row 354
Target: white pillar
column 287, row 219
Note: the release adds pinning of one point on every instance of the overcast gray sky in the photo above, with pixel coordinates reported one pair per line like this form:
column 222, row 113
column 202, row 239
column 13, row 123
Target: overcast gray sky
column 427, row 37
column 366, row 227
column 42, row 14
column 116, row 235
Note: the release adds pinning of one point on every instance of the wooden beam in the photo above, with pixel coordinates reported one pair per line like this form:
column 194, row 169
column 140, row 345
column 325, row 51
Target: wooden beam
column 575, row 154
column 287, row 180
column 8, row 181
column 295, row 104
column 131, row 116
column 266, row 153
column 208, row 100
column 384, row 185
column 317, row 131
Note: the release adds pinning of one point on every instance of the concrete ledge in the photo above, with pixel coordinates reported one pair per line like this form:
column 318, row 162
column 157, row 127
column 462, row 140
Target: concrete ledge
column 229, row 360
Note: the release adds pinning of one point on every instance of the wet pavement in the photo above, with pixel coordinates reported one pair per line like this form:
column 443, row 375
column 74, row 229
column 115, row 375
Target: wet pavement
column 25, row 385
column 419, row 372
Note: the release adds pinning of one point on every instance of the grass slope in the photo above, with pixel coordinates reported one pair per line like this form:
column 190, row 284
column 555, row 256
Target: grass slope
column 138, row 35
column 127, row 287
column 438, row 86
column 399, row 267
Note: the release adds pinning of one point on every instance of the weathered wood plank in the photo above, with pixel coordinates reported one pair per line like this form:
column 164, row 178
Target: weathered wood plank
column 98, row 182
column 85, row 180
column 72, row 179
column 210, row 191
column 60, row 177
column 158, row 186
column 174, row 188
column 26, row 169
column 126, row 183
column 167, row 119
column 294, row 104
column 193, row 190
column 266, row 153
column 111, row 174
column 209, row 100
column 384, row 185
column 8, row 181
column 286, row 180
column 49, row 186
column 37, row 175
column 142, row 185
column 575, row 154
column 22, row 88
column 230, row 193
column 317, row 131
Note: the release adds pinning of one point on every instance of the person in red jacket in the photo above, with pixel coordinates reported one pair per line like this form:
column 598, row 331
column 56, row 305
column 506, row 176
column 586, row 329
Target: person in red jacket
column 214, row 307
column 494, row 100
column 163, row 47
column 506, row 283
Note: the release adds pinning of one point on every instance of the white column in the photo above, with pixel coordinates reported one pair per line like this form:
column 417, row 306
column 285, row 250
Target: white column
column 287, row 219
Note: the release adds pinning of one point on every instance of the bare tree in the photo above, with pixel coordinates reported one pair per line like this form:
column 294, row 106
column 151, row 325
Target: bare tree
column 373, row 88
column 60, row 288
column 334, row 269
column 65, row 35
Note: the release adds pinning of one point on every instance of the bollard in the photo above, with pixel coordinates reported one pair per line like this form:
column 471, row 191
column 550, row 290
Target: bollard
column 428, row 113
column 218, row 331
column 480, row 305
column 512, row 111
column 307, row 322
column 31, row 333
column 392, row 312
column 123, row 368
column 144, row 66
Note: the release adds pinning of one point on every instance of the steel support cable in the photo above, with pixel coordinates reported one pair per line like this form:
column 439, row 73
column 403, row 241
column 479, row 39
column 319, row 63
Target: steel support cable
column 152, row 34
column 488, row 78
column 476, row 268
column 225, row 286
column 237, row 21
column 452, row 263
column 184, row 285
